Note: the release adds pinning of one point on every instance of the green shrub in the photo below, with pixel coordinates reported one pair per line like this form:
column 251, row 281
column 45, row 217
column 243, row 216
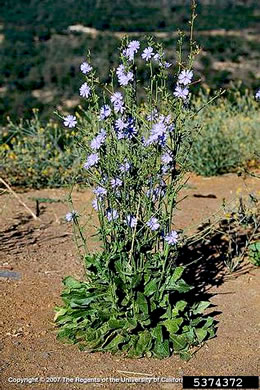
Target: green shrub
column 228, row 138
column 37, row 155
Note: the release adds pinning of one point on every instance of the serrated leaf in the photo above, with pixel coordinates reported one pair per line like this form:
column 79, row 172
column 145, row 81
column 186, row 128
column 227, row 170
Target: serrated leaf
column 60, row 312
column 113, row 345
column 182, row 287
column 143, row 342
column 142, row 303
column 177, row 273
column 201, row 334
column 179, row 342
column 131, row 324
column 173, row 325
column 161, row 350
column 211, row 332
column 70, row 282
column 116, row 324
column 151, row 288
column 165, row 301
column 208, row 323
column 196, row 321
column 180, row 305
column 157, row 333
column 201, row 307
column 185, row 356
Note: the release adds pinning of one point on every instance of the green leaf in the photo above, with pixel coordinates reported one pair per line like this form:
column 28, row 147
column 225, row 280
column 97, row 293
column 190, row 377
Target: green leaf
column 161, row 350
column 60, row 311
column 179, row 307
column 165, row 301
column 117, row 324
column 208, row 323
column 70, row 282
column 185, row 355
column 144, row 342
column 157, row 333
column 113, row 345
column 201, row 307
column 131, row 324
column 196, row 321
column 77, row 303
column 182, row 287
column 201, row 334
column 179, row 342
column 142, row 303
column 177, row 273
column 151, row 288
column 211, row 332
column 173, row 325
column 136, row 280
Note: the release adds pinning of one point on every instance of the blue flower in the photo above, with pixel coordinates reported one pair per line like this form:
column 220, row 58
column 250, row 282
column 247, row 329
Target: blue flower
column 118, row 102
column 95, row 204
column 84, row 90
column 71, row 216
column 120, row 124
column 257, row 95
column 185, row 77
column 131, row 221
column 116, row 182
column 70, row 121
column 181, row 92
column 91, row 160
column 97, row 142
column 124, row 167
column 166, row 158
column 85, row 68
column 157, row 134
column 131, row 129
column 131, row 49
column 120, row 70
column 125, row 78
column 112, row 214
column 153, row 223
column 105, row 112
column 154, row 114
column 134, row 46
column 116, row 97
column 100, row 192
column 172, row 238
column 147, row 53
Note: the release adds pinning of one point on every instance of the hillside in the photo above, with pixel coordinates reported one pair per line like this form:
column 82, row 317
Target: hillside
column 40, row 52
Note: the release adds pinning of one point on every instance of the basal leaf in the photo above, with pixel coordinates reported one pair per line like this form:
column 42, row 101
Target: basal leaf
column 201, row 307
column 177, row 274
column 173, row 325
column 182, row 287
column 151, row 287
column 144, row 342
column 60, row 311
column 117, row 324
column 70, row 282
column 142, row 303
column 113, row 345
column 201, row 334
column 180, row 305
column 161, row 349
column 179, row 342
column 157, row 333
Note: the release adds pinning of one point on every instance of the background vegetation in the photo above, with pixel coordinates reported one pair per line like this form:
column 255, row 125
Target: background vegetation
column 40, row 52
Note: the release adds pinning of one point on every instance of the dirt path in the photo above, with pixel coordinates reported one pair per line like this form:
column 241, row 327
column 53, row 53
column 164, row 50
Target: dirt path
column 41, row 253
